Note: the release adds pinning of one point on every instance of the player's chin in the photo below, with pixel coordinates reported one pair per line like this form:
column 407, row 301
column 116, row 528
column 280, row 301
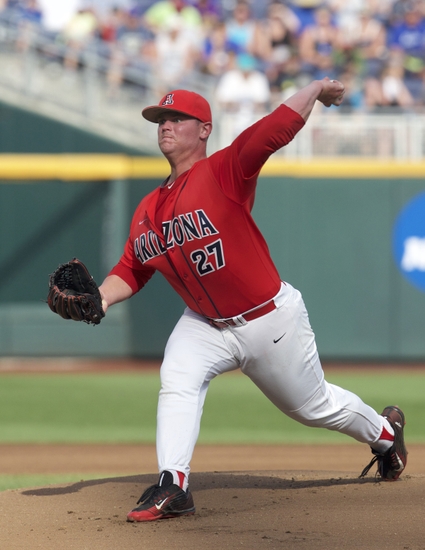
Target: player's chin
column 166, row 145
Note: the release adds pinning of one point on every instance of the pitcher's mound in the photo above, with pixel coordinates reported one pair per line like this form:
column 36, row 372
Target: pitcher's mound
column 302, row 510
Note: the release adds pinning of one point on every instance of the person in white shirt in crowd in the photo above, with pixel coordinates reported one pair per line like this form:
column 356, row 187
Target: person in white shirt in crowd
column 243, row 91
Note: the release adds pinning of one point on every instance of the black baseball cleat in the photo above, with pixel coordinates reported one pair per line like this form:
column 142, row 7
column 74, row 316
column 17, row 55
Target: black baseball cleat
column 161, row 501
column 392, row 462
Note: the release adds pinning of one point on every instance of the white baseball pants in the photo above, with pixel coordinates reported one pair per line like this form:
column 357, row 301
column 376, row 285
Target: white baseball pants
column 287, row 371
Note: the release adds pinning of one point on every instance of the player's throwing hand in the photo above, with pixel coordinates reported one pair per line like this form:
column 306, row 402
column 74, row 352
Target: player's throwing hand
column 332, row 93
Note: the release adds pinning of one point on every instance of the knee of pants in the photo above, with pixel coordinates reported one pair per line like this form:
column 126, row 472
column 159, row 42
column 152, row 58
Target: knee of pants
column 179, row 393
column 330, row 421
column 329, row 409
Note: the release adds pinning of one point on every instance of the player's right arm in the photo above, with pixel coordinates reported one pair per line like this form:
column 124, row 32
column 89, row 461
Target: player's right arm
column 328, row 92
column 251, row 149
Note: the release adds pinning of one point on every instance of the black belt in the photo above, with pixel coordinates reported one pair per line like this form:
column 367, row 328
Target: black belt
column 250, row 316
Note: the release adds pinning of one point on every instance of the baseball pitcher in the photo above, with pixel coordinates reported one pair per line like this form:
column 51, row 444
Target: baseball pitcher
column 197, row 230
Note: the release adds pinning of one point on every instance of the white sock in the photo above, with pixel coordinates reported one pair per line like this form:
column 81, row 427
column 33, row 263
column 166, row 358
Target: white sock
column 384, row 443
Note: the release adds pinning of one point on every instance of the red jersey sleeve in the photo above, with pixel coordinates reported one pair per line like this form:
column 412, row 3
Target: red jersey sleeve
column 130, row 270
column 241, row 162
column 255, row 145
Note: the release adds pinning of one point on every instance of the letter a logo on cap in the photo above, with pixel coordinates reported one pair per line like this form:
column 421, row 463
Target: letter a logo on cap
column 169, row 99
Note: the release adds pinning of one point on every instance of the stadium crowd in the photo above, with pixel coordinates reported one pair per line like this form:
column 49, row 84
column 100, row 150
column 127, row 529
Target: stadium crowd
column 257, row 53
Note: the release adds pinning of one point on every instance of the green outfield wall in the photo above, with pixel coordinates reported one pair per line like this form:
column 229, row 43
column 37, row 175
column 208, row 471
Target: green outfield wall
column 330, row 228
column 331, row 238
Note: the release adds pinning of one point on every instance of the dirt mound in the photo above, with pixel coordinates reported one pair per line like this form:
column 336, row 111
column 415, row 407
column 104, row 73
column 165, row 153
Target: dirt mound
column 317, row 502
column 254, row 510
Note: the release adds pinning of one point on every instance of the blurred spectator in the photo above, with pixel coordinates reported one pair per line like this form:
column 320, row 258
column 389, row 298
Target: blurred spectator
column 13, row 4
column 110, row 25
column 243, row 84
column 397, row 11
column 408, row 38
column 243, row 91
column 279, row 47
column 210, row 10
column 77, row 34
column 130, row 44
column 164, row 13
column 390, row 92
column 278, row 33
column 29, row 10
column 394, row 91
column 363, row 42
column 215, row 51
column 239, row 33
column 319, row 46
column 382, row 10
column 174, row 58
column 242, row 31
column 304, row 10
column 30, row 19
column 57, row 14
column 211, row 16
column 132, row 35
column 347, row 12
column 160, row 13
column 354, row 95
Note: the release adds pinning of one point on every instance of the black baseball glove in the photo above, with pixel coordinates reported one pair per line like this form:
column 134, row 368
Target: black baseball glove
column 73, row 293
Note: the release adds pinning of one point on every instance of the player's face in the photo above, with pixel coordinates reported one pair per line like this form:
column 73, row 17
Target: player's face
column 178, row 133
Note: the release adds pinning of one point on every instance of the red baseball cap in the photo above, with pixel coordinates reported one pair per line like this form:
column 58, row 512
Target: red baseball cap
column 180, row 101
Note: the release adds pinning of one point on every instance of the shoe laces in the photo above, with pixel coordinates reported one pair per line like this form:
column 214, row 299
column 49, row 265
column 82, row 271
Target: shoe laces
column 391, row 456
column 149, row 494
column 369, row 466
column 152, row 493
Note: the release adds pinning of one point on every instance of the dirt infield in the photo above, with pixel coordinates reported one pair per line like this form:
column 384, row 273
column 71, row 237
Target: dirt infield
column 274, row 497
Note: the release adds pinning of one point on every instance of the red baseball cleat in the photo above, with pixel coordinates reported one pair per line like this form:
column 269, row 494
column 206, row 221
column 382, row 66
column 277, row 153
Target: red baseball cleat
column 393, row 462
column 163, row 501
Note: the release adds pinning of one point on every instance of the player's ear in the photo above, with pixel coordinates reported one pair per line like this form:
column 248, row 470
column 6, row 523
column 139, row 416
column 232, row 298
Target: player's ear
column 206, row 129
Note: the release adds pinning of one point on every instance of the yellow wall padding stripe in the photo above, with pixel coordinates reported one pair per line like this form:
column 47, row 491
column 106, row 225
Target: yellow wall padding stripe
column 345, row 168
column 80, row 167
column 97, row 167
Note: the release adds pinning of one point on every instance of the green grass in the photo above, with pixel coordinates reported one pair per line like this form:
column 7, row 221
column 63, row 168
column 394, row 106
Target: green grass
column 21, row 481
column 121, row 408
column 69, row 408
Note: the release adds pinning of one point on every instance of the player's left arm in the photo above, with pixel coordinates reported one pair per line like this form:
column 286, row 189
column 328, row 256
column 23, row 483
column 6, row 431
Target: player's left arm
column 126, row 278
column 114, row 290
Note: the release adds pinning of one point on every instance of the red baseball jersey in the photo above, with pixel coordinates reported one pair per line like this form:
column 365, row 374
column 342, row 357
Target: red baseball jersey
column 199, row 232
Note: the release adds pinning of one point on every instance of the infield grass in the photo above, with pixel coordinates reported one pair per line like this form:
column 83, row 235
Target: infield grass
column 121, row 408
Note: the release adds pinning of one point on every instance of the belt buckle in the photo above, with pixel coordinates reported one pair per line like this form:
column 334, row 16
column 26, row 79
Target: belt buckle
column 218, row 324
column 239, row 321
